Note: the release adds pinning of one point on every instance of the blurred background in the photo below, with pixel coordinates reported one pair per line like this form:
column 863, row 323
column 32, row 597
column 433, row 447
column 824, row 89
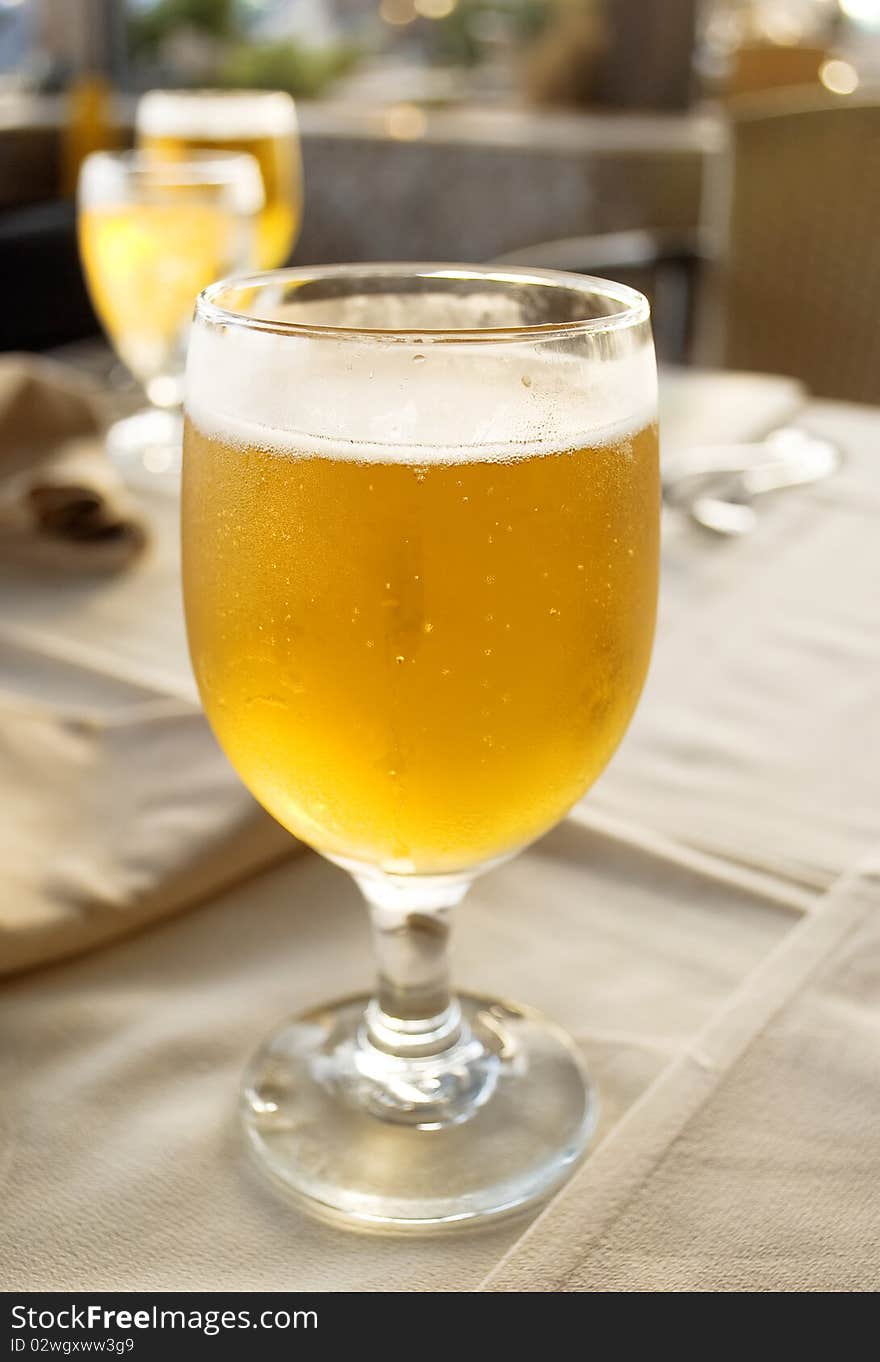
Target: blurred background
column 720, row 154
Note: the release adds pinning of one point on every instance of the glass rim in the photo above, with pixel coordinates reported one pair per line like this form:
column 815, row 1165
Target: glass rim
column 634, row 308
column 183, row 170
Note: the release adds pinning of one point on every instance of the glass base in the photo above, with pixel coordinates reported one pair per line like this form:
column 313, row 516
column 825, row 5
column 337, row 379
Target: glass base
column 517, row 1118
column 146, row 448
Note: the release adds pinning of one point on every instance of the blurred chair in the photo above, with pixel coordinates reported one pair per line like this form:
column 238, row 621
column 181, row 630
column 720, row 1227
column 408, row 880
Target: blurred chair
column 784, row 274
column 44, row 296
column 664, row 265
column 45, row 301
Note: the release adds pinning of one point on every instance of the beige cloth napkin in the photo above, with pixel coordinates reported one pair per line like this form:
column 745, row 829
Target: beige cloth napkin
column 117, row 814
column 119, row 808
column 61, row 504
column 753, row 1162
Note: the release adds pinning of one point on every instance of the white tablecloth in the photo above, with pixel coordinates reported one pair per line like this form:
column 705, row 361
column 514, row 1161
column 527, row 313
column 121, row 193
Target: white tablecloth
column 697, row 924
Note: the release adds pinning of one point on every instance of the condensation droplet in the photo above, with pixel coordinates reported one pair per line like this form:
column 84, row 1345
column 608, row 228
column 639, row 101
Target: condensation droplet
column 418, row 359
column 428, row 627
column 400, row 658
column 526, row 381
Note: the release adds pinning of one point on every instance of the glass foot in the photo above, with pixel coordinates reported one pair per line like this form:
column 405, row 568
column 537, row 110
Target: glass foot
column 515, row 1115
column 146, row 448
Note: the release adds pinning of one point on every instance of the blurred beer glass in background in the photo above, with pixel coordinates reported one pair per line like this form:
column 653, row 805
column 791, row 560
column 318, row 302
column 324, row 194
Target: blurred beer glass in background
column 260, row 122
column 421, row 519
column 152, row 235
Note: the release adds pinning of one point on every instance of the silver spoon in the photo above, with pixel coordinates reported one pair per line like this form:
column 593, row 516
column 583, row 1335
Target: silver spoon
column 720, row 498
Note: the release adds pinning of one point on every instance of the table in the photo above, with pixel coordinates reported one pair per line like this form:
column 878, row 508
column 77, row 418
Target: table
column 704, row 923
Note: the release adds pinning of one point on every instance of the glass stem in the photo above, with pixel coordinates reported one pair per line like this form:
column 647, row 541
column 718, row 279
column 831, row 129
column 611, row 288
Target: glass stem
column 416, row 1060
column 414, row 1013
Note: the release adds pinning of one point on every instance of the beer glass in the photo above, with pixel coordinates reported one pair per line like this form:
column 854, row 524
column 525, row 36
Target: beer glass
column 173, row 123
column 420, row 529
column 152, row 235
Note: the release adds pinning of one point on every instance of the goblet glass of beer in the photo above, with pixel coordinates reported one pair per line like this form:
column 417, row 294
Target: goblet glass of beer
column 173, row 123
column 152, row 235
column 420, row 527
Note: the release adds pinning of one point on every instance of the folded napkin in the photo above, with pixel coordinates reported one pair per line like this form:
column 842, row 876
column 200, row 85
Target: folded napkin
column 61, row 504
column 119, row 809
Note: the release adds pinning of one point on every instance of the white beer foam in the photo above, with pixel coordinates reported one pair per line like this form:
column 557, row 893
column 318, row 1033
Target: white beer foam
column 215, row 114
column 438, row 403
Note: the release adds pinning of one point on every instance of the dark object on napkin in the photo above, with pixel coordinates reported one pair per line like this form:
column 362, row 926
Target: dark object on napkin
column 61, row 503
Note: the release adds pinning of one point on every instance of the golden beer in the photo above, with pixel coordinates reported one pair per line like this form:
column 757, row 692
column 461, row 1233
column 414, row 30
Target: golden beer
column 144, row 264
column 173, row 124
column 416, row 665
column 421, row 515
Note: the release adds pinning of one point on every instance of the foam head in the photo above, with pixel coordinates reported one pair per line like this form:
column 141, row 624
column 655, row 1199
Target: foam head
column 328, row 375
column 215, row 115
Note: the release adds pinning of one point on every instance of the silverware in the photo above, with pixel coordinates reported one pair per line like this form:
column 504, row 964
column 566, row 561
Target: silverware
column 716, row 486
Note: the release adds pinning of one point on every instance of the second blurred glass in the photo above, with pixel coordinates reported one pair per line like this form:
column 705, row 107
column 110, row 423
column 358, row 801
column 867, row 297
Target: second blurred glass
column 152, row 235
